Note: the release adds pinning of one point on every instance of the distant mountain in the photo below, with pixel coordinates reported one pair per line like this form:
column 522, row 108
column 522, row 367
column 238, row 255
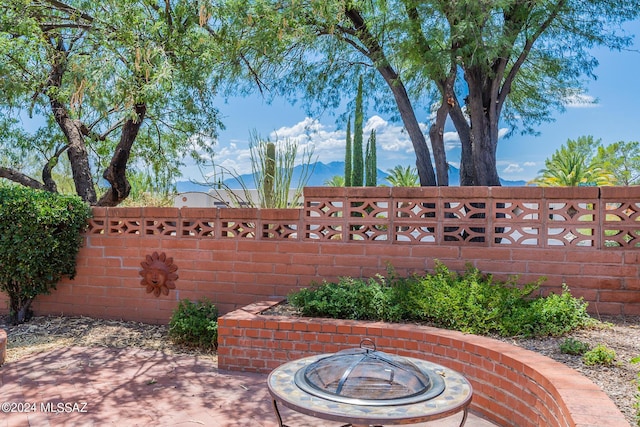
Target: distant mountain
column 322, row 172
column 454, row 179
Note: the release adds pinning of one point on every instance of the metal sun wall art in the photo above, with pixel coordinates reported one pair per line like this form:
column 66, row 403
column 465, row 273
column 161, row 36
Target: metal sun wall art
column 158, row 274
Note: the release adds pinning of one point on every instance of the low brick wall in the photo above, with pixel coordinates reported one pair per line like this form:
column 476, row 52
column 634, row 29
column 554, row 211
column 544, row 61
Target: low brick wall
column 512, row 386
column 585, row 237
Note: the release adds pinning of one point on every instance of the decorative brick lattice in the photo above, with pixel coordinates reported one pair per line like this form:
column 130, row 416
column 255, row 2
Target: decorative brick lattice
column 97, row 226
column 197, row 228
column 572, row 223
column 161, row 226
column 238, row 229
column 621, row 224
column 604, row 218
column 279, row 231
column 517, row 222
column 125, row 226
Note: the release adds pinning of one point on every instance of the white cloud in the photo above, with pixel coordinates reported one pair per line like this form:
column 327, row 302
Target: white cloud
column 451, row 140
column 529, row 164
column 328, row 143
column 513, row 168
column 580, row 100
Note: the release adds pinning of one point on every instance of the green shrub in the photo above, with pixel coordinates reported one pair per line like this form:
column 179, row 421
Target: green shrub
column 348, row 299
column 600, row 355
column 195, row 324
column 574, row 347
column 40, row 235
column 470, row 302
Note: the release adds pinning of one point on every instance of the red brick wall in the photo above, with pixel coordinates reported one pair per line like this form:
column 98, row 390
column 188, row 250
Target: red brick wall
column 238, row 256
column 512, row 386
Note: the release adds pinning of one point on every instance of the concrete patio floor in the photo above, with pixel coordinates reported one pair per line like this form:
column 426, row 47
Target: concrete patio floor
column 95, row 387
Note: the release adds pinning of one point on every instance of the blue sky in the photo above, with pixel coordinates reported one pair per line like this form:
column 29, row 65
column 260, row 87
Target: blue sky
column 615, row 117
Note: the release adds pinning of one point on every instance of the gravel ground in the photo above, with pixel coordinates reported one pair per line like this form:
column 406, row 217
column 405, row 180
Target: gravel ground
column 618, row 381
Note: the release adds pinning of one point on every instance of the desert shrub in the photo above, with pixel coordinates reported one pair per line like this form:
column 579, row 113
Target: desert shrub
column 40, row 235
column 195, row 324
column 574, row 347
column 348, row 299
column 600, row 355
column 553, row 315
column 470, row 302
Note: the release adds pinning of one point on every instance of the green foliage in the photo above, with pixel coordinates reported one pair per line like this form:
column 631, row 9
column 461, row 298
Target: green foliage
column 195, row 324
column 109, row 60
column 272, row 164
column 554, row 315
column 574, row 347
column 371, row 161
column 600, row 355
column 403, row 177
column 347, row 299
column 622, row 159
column 268, row 183
column 574, row 164
column 348, row 157
column 335, row 181
column 470, row 302
column 357, row 173
column 636, row 405
column 147, row 191
column 40, row 235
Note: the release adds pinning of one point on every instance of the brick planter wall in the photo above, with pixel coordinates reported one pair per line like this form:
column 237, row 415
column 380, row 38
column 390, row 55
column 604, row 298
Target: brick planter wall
column 584, row 237
column 512, row 386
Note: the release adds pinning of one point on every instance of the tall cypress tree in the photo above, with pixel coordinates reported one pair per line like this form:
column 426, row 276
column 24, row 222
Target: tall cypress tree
column 371, row 161
column 357, row 179
column 348, row 156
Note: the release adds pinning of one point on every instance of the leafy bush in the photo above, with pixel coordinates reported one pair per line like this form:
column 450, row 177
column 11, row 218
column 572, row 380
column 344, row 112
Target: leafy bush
column 347, row 299
column 600, row 355
column 574, row 347
column 40, row 235
column 195, row 324
column 470, row 303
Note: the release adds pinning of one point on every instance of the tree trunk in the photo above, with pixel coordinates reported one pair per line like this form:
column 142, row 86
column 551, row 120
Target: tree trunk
column 484, row 157
column 77, row 153
column 116, row 172
column 464, row 133
column 436, row 136
column 423, row 156
column 484, row 130
column 19, row 306
column 77, row 150
column 376, row 54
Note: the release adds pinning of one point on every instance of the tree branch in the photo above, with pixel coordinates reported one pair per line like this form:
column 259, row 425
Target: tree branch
column 20, row 178
column 508, row 81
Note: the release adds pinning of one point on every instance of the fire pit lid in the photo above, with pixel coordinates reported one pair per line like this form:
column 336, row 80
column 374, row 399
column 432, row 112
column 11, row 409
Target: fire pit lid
column 366, row 376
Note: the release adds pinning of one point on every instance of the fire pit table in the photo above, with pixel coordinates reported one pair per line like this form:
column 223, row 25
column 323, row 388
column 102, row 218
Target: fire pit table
column 363, row 387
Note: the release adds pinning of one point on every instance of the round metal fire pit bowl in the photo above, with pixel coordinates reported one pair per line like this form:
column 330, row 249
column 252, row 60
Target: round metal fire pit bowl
column 455, row 397
column 364, row 376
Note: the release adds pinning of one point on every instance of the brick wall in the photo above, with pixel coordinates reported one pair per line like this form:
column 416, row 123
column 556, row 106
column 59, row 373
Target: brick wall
column 585, row 237
column 512, row 386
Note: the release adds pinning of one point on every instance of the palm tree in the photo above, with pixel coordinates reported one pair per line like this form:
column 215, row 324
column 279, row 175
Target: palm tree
column 571, row 168
column 335, row 181
column 403, row 177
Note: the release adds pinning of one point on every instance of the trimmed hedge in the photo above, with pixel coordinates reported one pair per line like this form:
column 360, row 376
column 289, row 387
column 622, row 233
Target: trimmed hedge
column 40, row 236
